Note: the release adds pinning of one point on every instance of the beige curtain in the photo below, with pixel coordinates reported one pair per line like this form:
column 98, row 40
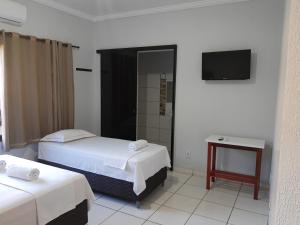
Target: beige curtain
column 38, row 88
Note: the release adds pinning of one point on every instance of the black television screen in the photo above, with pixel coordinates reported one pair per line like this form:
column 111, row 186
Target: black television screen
column 229, row 65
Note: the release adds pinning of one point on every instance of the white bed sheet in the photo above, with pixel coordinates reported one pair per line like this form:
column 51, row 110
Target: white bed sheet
column 56, row 191
column 87, row 154
column 16, row 207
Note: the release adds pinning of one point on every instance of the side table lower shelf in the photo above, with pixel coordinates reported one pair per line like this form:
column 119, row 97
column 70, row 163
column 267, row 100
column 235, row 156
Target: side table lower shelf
column 233, row 176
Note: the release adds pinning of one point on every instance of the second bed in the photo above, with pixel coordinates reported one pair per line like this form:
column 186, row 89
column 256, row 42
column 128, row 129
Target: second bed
column 108, row 165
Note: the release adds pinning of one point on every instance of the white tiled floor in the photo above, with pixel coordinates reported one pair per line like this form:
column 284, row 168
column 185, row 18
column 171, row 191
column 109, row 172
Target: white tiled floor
column 221, row 198
column 169, row 216
column 99, row 213
column 110, row 202
column 184, row 201
column 200, row 220
column 146, row 209
column 214, row 211
column 192, row 191
column 241, row 217
column 123, row 219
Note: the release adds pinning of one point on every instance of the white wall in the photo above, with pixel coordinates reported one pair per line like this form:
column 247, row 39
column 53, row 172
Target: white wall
column 277, row 133
column 241, row 108
column 285, row 197
column 49, row 23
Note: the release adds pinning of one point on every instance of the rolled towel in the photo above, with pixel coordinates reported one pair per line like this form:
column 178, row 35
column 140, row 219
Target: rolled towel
column 23, row 172
column 137, row 145
column 2, row 165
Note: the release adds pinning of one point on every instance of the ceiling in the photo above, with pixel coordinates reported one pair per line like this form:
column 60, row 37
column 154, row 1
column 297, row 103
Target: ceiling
column 99, row 10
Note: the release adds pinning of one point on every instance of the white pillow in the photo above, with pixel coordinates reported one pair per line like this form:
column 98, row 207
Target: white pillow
column 63, row 136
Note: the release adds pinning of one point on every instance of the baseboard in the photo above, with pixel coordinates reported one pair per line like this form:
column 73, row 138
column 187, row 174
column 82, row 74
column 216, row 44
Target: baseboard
column 189, row 171
column 183, row 170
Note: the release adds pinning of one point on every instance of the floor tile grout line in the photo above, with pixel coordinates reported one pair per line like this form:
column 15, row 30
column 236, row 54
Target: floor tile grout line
column 196, row 206
column 248, row 197
column 227, row 223
column 172, row 194
column 187, row 196
column 178, row 209
column 220, row 204
column 140, row 217
column 170, row 197
column 214, row 219
column 252, row 199
column 192, row 213
column 249, row 211
column 128, row 214
column 216, row 203
column 108, row 217
column 163, row 205
column 118, row 210
column 115, row 211
column 195, row 209
column 108, row 207
column 179, row 189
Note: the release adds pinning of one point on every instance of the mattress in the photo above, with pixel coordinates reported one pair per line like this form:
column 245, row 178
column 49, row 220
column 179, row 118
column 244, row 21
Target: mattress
column 17, row 207
column 56, row 192
column 87, row 154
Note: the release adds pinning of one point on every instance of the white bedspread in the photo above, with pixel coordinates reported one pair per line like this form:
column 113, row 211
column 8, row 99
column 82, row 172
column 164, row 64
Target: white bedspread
column 93, row 155
column 56, row 192
column 16, row 207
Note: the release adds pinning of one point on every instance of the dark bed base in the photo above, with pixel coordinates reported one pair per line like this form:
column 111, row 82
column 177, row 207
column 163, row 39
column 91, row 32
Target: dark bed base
column 77, row 216
column 117, row 188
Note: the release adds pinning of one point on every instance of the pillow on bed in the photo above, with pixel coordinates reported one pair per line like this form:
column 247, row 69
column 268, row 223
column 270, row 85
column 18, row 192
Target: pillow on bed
column 63, row 136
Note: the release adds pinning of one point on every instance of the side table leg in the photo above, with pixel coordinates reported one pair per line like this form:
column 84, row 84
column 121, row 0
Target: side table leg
column 257, row 173
column 214, row 161
column 208, row 166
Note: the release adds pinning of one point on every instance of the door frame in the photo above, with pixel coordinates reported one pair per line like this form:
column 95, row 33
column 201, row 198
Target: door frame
column 151, row 48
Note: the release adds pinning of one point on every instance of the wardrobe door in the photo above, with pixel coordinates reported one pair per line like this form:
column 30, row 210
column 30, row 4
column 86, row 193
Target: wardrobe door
column 118, row 94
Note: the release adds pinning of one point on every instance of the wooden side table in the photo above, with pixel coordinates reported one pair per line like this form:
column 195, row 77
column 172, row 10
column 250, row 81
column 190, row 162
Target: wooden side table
column 254, row 145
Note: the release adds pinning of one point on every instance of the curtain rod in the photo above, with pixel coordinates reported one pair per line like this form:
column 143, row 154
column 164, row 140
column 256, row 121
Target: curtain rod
column 39, row 39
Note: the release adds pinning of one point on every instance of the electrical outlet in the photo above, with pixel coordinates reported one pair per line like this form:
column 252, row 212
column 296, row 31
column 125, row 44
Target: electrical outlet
column 188, row 155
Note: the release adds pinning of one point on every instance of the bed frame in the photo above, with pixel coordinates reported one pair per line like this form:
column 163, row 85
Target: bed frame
column 77, row 216
column 115, row 187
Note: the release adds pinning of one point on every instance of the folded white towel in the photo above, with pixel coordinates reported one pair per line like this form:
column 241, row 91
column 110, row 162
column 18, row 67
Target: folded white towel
column 2, row 165
column 23, row 172
column 137, row 145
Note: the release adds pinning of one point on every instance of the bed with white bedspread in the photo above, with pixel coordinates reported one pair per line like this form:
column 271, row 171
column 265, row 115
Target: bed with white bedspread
column 55, row 193
column 108, row 157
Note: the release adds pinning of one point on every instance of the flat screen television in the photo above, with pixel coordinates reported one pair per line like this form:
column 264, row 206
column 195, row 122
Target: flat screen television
column 228, row 65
